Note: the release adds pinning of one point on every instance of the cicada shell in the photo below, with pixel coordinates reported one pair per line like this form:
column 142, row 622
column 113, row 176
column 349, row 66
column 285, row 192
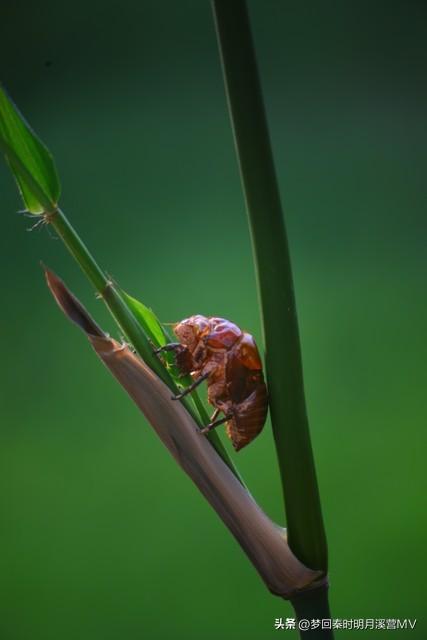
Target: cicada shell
column 218, row 351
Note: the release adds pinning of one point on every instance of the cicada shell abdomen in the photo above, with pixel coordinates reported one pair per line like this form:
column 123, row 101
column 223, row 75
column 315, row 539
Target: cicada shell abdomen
column 248, row 417
column 247, row 393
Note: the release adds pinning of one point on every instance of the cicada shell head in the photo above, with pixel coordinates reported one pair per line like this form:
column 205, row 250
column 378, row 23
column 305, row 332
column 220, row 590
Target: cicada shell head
column 190, row 330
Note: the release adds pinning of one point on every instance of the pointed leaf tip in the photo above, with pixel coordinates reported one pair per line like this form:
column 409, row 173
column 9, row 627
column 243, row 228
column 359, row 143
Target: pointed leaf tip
column 28, row 158
column 147, row 319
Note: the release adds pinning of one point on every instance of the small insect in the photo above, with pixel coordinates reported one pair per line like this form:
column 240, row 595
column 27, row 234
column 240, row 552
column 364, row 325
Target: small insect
column 216, row 350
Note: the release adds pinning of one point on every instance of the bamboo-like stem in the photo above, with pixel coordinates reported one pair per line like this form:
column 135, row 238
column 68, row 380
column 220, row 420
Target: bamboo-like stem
column 310, row 605
column 78, row 249
column 106, row 289
column 273, row 267
column 306, row 533
column 125, row 318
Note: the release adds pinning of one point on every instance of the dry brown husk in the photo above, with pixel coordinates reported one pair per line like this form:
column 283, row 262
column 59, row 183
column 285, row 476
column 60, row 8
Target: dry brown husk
column 263, row 541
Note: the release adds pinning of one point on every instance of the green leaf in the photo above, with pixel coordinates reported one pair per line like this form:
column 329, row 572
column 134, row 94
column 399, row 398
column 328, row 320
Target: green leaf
column 147, row 319
column 28, row 158
column 155, row 332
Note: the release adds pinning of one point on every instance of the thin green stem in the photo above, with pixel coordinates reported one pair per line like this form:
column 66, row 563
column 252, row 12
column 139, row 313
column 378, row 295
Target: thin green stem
column 306, row 533
column 105, row 287
column 126, row 320
column 78, row 249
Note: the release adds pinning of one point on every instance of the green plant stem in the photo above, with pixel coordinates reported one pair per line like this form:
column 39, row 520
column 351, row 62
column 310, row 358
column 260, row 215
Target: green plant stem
column 313, row 605
column 78, row 249
column 127, row 321
column 306, row 533
column 107, row 291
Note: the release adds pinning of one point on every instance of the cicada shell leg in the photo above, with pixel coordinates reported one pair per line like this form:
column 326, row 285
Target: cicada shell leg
column 214, row 416
column 191, row 387
column 215, row 423
column 183, row 358
column 172, row 346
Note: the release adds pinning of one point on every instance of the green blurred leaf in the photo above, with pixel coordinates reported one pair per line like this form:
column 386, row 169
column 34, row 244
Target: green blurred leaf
column 147, row 319
column 30, row 161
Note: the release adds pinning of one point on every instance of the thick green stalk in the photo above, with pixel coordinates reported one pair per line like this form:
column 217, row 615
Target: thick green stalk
column 313, row 605
column 306, row 533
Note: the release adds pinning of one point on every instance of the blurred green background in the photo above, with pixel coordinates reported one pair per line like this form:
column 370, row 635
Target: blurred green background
column 102, row 536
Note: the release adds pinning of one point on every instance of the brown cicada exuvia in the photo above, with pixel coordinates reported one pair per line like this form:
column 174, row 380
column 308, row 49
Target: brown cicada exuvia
column 216, row 350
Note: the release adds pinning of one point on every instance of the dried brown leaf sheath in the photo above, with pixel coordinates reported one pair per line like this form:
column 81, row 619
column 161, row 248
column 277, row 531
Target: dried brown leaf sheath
column 263, row 541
